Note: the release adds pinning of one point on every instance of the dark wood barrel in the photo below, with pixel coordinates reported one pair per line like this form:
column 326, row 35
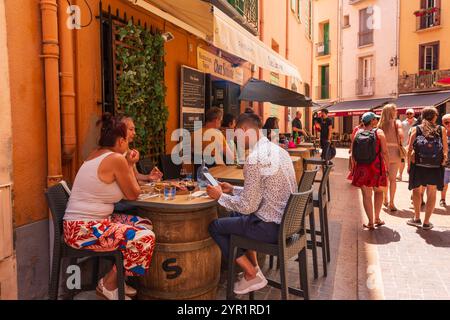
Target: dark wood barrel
column 186, row 260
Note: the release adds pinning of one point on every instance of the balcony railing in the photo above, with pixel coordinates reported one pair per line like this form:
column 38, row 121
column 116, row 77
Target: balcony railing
column 428, row 18
column 365, row 38
column 322, row 48
column 422, row 81
column 323, row 92
column 247, row 9
column 365, row 87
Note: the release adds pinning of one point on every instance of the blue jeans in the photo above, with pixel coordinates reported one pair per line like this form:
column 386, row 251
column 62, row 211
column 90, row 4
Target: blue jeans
column 249, row 226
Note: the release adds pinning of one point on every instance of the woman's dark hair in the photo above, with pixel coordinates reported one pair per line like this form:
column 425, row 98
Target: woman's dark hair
column 112, row 128
column 271, row 123
column 227, row 120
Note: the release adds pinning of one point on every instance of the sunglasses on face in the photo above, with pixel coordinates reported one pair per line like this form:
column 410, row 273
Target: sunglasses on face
column 446, row 123
column 410, row 114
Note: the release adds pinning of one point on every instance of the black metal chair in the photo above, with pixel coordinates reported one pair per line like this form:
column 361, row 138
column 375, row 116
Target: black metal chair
column 291, row 242
column 306, row 183
column 57, row 198
column 320, row 201
column 322, row 163
column 169, row 169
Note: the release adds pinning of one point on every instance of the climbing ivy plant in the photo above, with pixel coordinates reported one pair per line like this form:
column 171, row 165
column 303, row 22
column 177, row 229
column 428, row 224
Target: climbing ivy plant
column 140, row 89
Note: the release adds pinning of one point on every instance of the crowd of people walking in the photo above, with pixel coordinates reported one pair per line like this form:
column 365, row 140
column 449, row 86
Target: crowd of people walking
column 381, row 149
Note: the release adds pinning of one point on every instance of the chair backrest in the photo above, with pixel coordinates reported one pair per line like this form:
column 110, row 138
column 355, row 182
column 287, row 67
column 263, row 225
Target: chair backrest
column 169, row 169
column 293, row 221
column 57, row 198
column 324, row 180
column 307, row 179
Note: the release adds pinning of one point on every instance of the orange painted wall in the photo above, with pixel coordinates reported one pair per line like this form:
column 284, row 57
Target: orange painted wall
column 180, row 51
column 28, row 111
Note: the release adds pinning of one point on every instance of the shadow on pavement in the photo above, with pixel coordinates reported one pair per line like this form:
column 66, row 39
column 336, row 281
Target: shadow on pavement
column 435, row 238
column 382, row 235
column 399, row 213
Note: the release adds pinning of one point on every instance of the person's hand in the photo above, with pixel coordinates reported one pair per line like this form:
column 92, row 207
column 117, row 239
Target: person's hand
column 133, row 157
column 226, row 187
column 214, row 192
column 155, row 174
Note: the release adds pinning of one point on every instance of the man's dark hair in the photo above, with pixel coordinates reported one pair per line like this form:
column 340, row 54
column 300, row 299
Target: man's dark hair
column 249, row 110
column 324, row 111
column 213, row 114
column 227, row 120
column 249, row 118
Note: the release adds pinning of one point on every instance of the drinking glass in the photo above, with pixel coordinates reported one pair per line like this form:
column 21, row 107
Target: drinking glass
column 191, row 187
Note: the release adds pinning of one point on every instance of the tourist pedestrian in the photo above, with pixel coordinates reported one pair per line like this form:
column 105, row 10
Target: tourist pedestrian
column 392, row 129
column 446, row 123
column 426, row 166
column 407, row 124
column 370, row 158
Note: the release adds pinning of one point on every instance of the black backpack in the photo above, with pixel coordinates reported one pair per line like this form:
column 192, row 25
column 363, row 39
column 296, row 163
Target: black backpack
column 365, row 147
column 429, row 151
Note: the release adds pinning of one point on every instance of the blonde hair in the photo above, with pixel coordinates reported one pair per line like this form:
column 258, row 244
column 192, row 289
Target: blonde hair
column 446, row 116
column 387, row 117
column 428, row 127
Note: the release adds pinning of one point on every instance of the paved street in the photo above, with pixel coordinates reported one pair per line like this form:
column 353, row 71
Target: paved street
column 395, row 261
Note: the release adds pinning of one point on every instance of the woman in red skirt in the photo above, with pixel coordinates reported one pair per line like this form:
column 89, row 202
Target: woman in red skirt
column 369, row 167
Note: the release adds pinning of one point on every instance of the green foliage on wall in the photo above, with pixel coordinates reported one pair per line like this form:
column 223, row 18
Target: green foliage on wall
column 140, row 86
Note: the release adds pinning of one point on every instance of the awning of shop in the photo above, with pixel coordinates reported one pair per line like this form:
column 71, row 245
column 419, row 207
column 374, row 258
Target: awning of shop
column 355, row 107
column 420, row 101
column 262, row 91
column 205, row 20
column 231, row 37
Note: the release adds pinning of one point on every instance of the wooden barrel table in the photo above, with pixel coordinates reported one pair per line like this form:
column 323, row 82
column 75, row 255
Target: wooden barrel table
column 186, row 260
column 301, row 153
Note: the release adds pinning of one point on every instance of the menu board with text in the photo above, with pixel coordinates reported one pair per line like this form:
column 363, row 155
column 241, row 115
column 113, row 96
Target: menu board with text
column 192, row 97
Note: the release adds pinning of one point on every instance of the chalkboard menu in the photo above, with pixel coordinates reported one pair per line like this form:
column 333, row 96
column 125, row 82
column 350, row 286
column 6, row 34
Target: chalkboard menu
column 190, row 118
column 192, row 97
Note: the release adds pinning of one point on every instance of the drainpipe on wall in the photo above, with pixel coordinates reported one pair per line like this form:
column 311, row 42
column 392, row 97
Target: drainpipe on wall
column 261, row 37
column 50, row 54
column 67, row 84
column 287, row 110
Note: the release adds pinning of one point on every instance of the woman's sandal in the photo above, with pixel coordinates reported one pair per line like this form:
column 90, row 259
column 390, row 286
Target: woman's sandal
column 379, row 223
column 369, row 226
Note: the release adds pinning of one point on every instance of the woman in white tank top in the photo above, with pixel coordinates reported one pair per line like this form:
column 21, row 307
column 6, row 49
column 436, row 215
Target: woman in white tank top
column 105, row 178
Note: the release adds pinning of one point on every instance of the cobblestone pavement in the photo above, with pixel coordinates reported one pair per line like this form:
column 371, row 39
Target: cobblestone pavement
column 395, row 261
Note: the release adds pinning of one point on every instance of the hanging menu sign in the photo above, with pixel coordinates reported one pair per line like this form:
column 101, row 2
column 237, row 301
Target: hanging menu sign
column 192, row 96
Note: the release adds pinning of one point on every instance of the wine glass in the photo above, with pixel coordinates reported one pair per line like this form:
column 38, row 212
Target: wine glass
column 191, row 187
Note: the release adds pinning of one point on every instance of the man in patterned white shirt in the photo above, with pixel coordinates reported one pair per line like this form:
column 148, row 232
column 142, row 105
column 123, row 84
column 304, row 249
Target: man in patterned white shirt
column 258, row 207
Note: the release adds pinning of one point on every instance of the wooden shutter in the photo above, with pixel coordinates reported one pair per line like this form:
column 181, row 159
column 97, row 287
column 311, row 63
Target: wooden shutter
column 436, row 48
column 421, row 57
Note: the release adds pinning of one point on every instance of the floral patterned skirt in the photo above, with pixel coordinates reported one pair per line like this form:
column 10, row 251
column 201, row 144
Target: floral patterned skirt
column 132, row 235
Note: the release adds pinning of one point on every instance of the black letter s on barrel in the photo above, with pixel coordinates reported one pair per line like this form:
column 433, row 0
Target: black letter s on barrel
column 169, row 267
